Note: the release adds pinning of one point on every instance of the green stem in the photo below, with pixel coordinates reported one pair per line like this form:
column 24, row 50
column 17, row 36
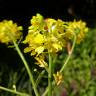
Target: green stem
column 50, row 76
column 46, row 91
column 27, row 68
column 69, row 55
column 13, row 91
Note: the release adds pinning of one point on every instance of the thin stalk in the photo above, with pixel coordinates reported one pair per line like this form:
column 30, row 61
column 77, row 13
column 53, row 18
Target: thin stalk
column 13, row 91
column 69, row 55
column 46, row 91
column 27, row 67
column 50, row 76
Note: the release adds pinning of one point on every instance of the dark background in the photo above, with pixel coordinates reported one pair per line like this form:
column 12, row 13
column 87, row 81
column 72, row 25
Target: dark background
column 21, row 11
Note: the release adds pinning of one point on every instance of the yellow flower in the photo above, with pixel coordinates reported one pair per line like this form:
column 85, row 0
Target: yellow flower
column 50, row 35
column 50, row 23
column 57, row 46
column 41, row 62
column 58, row 78
column 54, row 37
column 39, row 50
column 41, row 39
column 38, row 39
column 9, row 31
column 35, row 43
column 27, row 49
column 79, row 28
column 37, row 23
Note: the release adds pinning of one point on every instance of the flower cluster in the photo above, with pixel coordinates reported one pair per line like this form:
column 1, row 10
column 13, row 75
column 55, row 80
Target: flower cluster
column 79, row 28
column 9, row 31
column 58, row 78
column 50, row 35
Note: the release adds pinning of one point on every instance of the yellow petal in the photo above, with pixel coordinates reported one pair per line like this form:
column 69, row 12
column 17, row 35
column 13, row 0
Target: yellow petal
column 39, row 50
column 28, row 49
column 39, row 39
column 41, row 62
column 57, row 46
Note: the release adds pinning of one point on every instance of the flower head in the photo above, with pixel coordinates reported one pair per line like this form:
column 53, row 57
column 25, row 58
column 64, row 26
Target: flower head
column 58, row 78
column 78, row 28
column 37, row 23
column 44, row 35
column 8, row 31
column 50, row 35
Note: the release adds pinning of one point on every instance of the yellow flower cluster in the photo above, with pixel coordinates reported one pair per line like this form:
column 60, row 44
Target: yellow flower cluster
column 80, row 29
column 9, row 31
column 58, row 78
column 44, row 35
column 50, row 35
